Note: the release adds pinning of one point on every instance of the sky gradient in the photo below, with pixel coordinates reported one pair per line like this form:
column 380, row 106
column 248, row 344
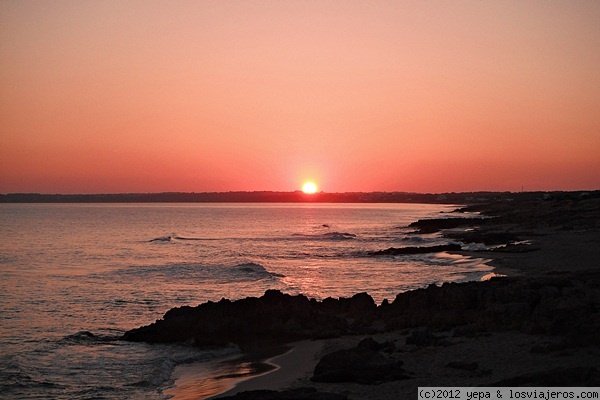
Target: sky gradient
column 424, row 96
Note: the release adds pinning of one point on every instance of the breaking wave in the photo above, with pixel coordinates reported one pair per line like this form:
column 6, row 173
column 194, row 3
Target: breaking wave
column 326, row 236
column 255, row 270
column 171, row 238
column 248, row 271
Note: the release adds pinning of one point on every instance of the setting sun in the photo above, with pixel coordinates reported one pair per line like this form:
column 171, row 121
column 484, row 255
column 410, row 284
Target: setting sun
column 309, row 188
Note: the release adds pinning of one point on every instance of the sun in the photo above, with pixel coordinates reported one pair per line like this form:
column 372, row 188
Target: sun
column 309, row 188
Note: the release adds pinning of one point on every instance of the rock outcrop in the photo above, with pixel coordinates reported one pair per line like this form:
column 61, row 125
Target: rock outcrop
column 366, row 363
column 574, row 376
column 396, row 251
column 273, row 318
column 433, row 225
column 566, row 305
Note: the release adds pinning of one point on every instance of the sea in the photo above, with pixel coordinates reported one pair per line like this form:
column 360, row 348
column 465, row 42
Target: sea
column 75, row 277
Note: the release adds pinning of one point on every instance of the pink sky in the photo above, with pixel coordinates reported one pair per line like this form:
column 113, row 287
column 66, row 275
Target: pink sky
column 427, row 96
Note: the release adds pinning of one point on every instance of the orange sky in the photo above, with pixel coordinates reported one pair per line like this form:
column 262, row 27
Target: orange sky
column 427, row 96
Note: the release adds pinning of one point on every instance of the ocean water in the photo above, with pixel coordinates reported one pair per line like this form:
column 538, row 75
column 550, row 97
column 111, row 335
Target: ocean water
column 75, row 277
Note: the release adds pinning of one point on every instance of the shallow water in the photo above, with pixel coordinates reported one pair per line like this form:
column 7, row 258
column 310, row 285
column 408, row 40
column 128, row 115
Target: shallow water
column 74, row 277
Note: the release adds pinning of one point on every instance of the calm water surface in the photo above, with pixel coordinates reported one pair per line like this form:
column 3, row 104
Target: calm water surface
column 75, row 277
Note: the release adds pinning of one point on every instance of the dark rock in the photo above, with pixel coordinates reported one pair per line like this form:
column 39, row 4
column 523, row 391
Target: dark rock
column 291, row 394
column 467, row 366
column 515, row 248
column 395, row 251
column 574, row 376
column 565, row 305
column 488, row 238
column 362, row 364
column 433, row 225
column 372, row 344
column 424, row 338
column 544, row 348
column 273, row 318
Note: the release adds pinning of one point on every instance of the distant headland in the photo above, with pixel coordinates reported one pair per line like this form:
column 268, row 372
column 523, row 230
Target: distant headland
column 288, row 197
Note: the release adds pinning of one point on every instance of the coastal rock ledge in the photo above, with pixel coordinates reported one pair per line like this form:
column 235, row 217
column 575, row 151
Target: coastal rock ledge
column 273, row 318
column 566, row 304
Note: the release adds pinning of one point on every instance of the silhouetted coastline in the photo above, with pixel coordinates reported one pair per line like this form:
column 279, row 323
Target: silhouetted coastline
column 536, row 327
column 289, row 197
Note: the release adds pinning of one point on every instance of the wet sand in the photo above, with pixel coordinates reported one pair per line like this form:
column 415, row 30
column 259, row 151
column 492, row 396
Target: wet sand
column 207, row 379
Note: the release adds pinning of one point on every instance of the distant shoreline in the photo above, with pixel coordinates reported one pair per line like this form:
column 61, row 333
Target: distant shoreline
column 289, row 197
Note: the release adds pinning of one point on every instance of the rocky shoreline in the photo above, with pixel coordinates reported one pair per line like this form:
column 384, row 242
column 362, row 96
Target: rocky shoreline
column 551, row 310
column 564, row 304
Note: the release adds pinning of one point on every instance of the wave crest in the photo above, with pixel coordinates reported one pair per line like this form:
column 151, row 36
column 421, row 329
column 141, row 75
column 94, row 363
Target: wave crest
column 327, row 236
column 175, row 237
column 256, row 270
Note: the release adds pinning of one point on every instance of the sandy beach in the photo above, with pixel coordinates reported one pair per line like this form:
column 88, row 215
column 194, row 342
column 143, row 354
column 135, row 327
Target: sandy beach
column 554, row 256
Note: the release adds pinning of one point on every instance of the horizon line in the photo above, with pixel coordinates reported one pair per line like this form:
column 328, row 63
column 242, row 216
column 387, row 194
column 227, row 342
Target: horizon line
column 297, row 191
